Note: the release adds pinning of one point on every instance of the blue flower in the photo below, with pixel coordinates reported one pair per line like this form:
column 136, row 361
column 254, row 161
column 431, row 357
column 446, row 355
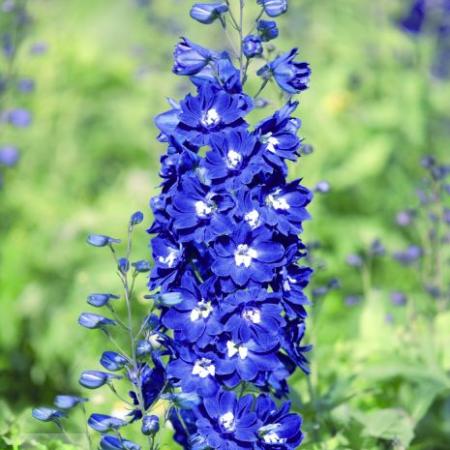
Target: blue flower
column 100, row 240
column 19, row 117
column 207, row 13
column 94, row 321
column 68, row 401
column 227, row 423
column 414, row 21
column 93, row 379
column 274, row 8
column 99, row 300
column 292, row 344
column 247, row 255
column 293, row 77
column 210, row 112
column 104, row 423
column 252, row 46
column 9, row 156
column 278, row 429
column 136, row 218
column 267, row 30
column 199, row 213
column 45, row 414
column 113, row 361
column 190, row 58
column 195, row 372
column 110, row 442
column 150, row 425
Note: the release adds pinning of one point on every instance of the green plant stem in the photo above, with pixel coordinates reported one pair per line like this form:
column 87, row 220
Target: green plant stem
column 88, row 435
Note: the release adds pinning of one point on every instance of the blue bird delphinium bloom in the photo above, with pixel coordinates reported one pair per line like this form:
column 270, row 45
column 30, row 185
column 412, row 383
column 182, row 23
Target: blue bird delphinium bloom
column 207, row 13
column 252, row 46
column 190, row 58
column 91, row 320
column 293, row 77
column 274, row 8
column 113, row 361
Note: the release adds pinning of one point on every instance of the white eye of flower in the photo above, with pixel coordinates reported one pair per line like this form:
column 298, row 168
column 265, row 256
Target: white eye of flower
column 203, row 209
column 170, row 259
column 210, row 118
column 203, row 368
column 277, row 202
column 271, row 144
column 252, row 315
column 227, row 421
column 252, row 218
column 233, row 349
column 269, row 435
column 244, row 255
column 203, row 310
column 233, row 159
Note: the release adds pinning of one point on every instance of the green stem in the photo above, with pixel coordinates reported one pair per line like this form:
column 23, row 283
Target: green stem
column 88, row 435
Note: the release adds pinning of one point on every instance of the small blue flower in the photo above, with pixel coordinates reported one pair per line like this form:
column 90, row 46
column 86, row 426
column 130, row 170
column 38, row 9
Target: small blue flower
column 45, row 414
column 19, row 117
column 190, row 58
column 94, row 321
column 109, row 442
column 150, row 425
column 414, row 21
column 68, row 401
column 274, row 8
column 104, row 423
column 99, row 300
column 93, row 379
column 207, row 13
column 267, row 30
column 100, row 240
column 9, row 156
column 137, row 218
column 227, row 422
column 293, row 77
column 113, row 361
column 252, row 46
column 277, row 427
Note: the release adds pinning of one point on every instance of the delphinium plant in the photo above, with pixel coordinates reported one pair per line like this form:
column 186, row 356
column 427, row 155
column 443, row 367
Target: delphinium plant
column 14, row 24
column 226, row 316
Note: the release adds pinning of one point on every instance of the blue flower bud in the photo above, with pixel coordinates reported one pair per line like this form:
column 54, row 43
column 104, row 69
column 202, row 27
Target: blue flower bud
column 142, row 266
column 8, row 156
column 150, row 425
column 398, row 298
column 68, row 401
column 109, row 442
column 113, row 361
column 19, row 117
column 123, row 265
column 103, row 423
column 267, row 30
column 252, row 46
column 99, row 300
column 207, row 13
column 45, row 414
column 190, row 59
column 93, row 379
column 136, row 218
column 26, row 85
column 94, row 321
column 274, row 8
column 322, row 187
column 100, row 240
column 168, row 299
column 183, row 400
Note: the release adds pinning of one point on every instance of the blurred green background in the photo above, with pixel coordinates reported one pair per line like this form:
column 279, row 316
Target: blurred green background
column 380, row 373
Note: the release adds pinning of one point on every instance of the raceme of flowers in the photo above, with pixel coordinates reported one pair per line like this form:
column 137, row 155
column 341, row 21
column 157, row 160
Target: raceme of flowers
column 14, row 22
column 227, row 320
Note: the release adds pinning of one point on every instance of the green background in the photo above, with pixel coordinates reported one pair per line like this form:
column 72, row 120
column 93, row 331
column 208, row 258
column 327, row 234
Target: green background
column 91, row 158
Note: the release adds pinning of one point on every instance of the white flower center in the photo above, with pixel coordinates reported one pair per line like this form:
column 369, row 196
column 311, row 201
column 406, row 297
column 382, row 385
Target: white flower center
column 269, row 434
column 287, row 283
column 244, row 255
column 252, row 218
column 170, row 259
column 203, row 368
column 203, row 209
column 233, row 159
column 252, row 315
column 277, row 202
column 271, row 144
column 203, row 311
column 227, row 421
column 210, row 118
column 234, row 349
